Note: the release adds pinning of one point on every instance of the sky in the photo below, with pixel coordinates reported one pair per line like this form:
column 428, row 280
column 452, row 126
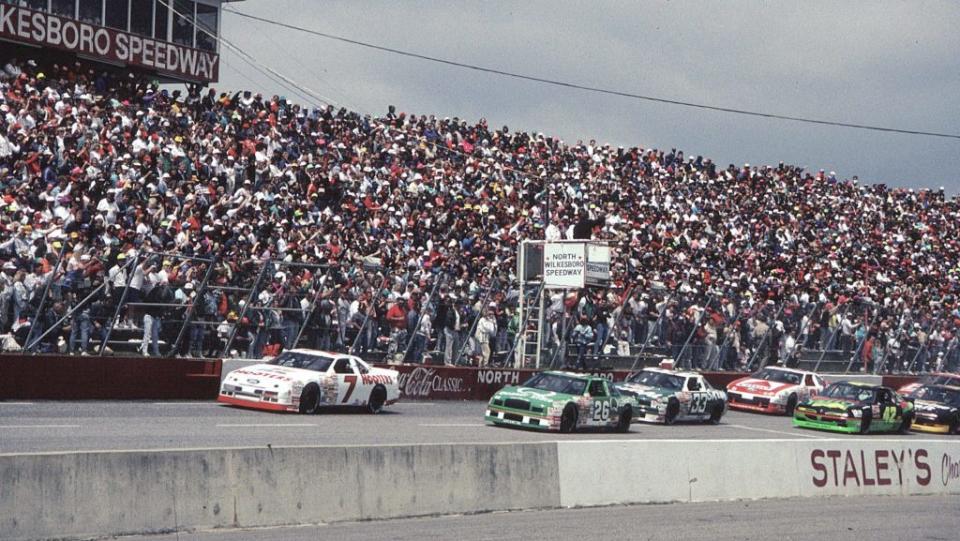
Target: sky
column 892, row 64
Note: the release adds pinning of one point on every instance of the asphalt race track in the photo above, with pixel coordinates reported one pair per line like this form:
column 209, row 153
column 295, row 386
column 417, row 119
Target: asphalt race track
column 841, row 519
column 86, row 426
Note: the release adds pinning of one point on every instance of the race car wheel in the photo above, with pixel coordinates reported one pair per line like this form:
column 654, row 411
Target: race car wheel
column 568, row 420
column 865, row 423
column 309, row 399
column 905, row 424
column 377, row 397
column 673, row 410
column 626, row 415
column 715, row 414
column 791, row 404
column 955, row 424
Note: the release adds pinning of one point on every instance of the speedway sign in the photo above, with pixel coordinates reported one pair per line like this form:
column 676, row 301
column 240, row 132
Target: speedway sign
column 47, row 30
column 564, row 265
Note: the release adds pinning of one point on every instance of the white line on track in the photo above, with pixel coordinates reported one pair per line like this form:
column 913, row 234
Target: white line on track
column 185, row 403
column 741, row 427
column 417, row 403
column 452, row 425
column 265, row 425
column 39, row 426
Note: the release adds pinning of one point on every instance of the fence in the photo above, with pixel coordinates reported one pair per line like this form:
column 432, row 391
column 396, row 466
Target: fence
column 263, row 306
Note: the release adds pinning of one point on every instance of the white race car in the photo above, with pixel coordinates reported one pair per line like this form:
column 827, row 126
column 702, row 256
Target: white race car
column 305, row 380
column 774, row 389
column 665, row 396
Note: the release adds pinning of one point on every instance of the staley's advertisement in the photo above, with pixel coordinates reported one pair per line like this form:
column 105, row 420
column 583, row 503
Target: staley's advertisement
column 47, row 30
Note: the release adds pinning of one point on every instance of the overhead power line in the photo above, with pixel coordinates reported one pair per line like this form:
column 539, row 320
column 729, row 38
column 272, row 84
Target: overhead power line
column 587, row 88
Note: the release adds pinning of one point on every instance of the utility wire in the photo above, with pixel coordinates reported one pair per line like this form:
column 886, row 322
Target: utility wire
column 595, row 89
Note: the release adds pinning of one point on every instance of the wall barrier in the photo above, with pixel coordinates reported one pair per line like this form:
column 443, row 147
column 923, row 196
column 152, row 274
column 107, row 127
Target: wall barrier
column 112, row 493
column 82, row 495
column 71, row 377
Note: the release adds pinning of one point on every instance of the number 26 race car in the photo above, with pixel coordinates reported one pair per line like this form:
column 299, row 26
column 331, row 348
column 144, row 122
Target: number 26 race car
column 303, row 380
column 561, row 401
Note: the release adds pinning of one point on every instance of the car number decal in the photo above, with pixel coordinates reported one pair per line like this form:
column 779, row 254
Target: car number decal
column 601, row 411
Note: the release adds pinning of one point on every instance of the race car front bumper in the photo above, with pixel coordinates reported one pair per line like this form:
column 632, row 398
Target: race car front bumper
column 255, row 403
column 506, row 417
column 929, row 425
column 760, row 404
column 833, row 423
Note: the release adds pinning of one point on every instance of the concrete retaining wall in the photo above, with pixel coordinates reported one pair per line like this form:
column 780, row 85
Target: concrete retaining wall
column 109, row 493
column 600, row 473
column 82, row 495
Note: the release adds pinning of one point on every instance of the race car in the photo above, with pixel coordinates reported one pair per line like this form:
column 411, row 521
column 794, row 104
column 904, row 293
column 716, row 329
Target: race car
column 666, row 396
column 937, row 409
column 561, row 401
column 856, row 407
column 305, row 381
column 936, row 378
column 774, row 390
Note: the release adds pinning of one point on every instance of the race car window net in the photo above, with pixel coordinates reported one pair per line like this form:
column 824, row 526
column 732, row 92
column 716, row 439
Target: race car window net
column 597, row 389
column 290, row 359
column 557, row 383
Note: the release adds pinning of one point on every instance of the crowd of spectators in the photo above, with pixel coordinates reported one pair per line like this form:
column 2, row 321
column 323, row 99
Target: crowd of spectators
column 268, row 225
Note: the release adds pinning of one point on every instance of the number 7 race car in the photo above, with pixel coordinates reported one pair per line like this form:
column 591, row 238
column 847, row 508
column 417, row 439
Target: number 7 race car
column 305, row 381
column 561, row 401
column 665, row 396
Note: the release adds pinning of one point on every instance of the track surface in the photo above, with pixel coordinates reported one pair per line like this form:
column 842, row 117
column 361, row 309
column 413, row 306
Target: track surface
column 85, row 426
column 842, row 519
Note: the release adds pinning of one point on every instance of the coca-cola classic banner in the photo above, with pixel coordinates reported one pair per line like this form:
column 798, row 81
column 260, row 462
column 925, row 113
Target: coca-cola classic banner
column 426, row 382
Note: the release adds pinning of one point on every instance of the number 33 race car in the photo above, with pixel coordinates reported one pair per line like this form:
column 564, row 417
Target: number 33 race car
column 665, row 396
column 304, row 381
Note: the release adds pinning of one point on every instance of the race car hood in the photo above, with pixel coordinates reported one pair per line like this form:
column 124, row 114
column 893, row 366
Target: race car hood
column 936, row 408
column 264, row 374
column 536, row 397
column 758, row 386
column 832, row 404
column 645, row 391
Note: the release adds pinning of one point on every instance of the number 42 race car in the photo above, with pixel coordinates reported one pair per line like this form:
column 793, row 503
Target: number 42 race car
column 856, row 407
column 563, row 401
column 303, row 380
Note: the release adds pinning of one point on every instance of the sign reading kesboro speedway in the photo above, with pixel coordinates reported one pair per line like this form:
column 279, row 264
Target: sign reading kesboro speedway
column 564, row 265
column 47, row 30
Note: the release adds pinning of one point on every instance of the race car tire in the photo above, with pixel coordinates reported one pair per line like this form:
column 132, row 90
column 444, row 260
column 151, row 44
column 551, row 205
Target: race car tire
column 715, row 414
column 905, row 424
column 626, row 415
column 310, row 398
column 865, row 423
column 673, row 410
column 791, row 404
column 378, row 396
column 568, row 419
column 955, row 425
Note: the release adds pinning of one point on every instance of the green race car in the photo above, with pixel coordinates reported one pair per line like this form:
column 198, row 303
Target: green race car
column 561, row 401
column 855, row 408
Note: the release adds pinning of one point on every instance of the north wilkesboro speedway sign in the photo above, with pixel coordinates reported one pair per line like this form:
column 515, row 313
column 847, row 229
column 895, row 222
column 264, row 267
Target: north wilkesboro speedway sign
column 24, row 25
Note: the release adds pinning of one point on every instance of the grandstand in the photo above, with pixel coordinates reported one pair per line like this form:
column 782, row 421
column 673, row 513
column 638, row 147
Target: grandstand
column 207, row 223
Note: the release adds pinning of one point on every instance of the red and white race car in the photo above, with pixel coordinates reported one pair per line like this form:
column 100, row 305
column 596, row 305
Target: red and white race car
column 305, row 380
column 774, row 390
column 936, row 378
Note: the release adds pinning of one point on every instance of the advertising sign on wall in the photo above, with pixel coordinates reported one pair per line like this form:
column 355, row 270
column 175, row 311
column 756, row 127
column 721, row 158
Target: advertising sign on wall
column 47, row 30
column 564, row 265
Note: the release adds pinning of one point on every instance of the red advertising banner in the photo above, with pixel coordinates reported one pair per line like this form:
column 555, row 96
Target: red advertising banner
column 427, row 382
column 47, row 30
